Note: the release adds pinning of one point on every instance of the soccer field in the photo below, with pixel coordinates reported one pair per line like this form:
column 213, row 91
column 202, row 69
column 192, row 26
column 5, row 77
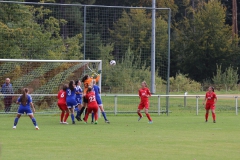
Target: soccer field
column 173, row 137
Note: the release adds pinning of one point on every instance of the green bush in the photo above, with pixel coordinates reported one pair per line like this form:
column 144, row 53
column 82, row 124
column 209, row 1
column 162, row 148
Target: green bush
column 182, row 83
column 226, row 80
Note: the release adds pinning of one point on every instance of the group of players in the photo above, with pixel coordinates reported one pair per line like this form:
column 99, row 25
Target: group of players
column 70, row 99
column 71, row 96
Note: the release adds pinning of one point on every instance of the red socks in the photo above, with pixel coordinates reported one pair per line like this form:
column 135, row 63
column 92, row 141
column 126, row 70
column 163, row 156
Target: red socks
column 86, row 117
column 206, row 116
column 140, row 115
column 214, row 116
column 62, row 115
column 66, row 117
column 148, row 116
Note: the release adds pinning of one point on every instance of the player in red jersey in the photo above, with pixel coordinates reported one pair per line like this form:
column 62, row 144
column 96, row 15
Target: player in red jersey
column 210, row 101
column 62, row 94
column 91, row 104
column 144, row 93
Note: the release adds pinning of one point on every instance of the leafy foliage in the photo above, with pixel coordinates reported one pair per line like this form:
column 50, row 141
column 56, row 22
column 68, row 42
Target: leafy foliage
column 203, row 41
column 23, row 37
column 227, row 79
column 182, row 83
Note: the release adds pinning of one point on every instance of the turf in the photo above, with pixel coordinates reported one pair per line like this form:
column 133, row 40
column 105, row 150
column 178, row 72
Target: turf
column 173, row 137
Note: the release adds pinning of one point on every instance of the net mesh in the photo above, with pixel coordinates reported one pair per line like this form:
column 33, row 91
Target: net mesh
column 43, row 79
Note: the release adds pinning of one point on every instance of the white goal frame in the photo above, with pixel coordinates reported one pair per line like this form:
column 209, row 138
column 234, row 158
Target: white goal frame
column 53, row 61
column 38, row 60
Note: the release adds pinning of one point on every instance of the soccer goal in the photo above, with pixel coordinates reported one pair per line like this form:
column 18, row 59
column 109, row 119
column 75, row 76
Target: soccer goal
column 43, row 78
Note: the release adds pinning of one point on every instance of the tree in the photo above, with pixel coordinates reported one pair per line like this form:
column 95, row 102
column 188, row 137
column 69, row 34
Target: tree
column 204, row 41
column 26, row 33
column 133, row 30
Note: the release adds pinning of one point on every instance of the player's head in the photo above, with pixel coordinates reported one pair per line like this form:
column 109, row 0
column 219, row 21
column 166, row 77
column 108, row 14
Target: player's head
column 71, row 85
column 64, row 87
column 25, row 90
column 144, row 84
column 85, row 78
column 211, row 88
column 78, row 82
column 89, row 89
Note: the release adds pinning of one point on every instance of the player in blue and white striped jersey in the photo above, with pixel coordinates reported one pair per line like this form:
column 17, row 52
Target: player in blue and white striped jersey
column 79, row 93
column 71, row 99
column 97, row 91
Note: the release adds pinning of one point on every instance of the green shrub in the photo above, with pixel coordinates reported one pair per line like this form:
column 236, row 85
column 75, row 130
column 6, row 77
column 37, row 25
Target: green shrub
column 226, row 80
column 181, row 83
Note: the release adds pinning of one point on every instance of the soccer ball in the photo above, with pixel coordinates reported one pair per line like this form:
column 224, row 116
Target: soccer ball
column 112, row 63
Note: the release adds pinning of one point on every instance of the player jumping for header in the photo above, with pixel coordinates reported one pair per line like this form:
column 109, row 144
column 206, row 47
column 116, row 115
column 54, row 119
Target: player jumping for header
column 87, row 81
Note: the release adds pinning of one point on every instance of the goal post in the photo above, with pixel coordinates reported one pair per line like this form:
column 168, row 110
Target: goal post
column 43, row 78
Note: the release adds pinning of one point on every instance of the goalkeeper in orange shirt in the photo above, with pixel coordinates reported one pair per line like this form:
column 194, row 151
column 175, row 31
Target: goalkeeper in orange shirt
column 88, row 81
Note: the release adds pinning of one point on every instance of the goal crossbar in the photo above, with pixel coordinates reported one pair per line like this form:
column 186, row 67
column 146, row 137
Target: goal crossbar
column 38, row 60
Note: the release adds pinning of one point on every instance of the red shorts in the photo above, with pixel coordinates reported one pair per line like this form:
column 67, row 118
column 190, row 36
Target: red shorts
column 93, row 109
column 209, row 106
column 62, row 106
column 144, row 104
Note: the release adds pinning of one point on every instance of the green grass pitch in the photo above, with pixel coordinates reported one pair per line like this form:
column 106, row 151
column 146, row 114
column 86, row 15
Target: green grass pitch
column 174, row 137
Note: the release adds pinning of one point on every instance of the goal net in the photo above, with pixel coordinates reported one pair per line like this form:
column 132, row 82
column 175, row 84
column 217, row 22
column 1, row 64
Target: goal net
column 43, row 78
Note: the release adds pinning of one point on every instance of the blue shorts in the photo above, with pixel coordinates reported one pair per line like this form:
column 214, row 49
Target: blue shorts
column 99, row 101
column 79, row 100
column 71, row 103
column 27, row 110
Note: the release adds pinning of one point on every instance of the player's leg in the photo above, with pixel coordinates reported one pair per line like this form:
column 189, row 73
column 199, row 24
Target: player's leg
column 92, row 118
column 95, row 111
column 99, row 102
column 207, row 112
column 140, row 107
column 213, row 113
column 16, row 120
column 31, row 116
column 146, row 106
column 66, row 110
column 71, row 108
column 87, row 114
column 81, row 111
column 78, row 112
column 84, row 106
column 60, row 106
column 70, row 105
column 103, row 113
